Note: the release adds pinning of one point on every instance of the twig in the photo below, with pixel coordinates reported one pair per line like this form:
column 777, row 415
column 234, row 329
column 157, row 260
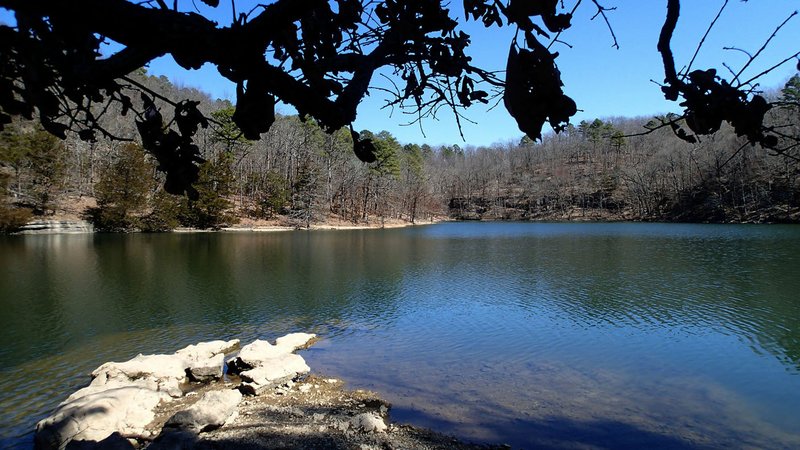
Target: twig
column 149, row 91
column 738, row 50
column 771, row 69
column 572, row 13
column 752, row 58
column 710, row 26
column 601, row 11
column 664, row 123
column 719, row 168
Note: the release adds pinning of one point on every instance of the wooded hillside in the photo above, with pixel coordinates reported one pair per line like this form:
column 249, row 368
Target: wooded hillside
column 606, row 169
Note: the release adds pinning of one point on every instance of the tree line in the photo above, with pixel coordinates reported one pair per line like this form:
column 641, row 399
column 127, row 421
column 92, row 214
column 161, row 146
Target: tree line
column 604, row 169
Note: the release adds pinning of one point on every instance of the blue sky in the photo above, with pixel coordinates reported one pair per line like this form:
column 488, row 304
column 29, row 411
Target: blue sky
column 605, row 82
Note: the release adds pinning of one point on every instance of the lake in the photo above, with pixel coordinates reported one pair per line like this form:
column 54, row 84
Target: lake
column 537, row 335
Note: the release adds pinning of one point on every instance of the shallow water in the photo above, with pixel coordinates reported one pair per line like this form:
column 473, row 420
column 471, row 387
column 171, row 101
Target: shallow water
column 536, row 335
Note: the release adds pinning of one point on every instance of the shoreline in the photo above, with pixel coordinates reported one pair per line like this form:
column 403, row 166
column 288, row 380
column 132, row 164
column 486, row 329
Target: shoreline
column 220, row 395
column 72, row 227
column 77, row 226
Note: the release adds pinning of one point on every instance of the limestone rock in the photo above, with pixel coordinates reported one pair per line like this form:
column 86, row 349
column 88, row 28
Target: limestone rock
column 294, row 341
column 368, row 422
column 208, row 349
column 114, row 442
column 210, row 412
column 275, row 370
column 122, row 396
column 95, row 417
column 255, row 353
column 99, row 385
column 204, row 360
column 167, row 371
column 206, row 369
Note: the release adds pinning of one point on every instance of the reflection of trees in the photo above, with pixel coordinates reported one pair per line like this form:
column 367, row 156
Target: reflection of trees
column 75, row 288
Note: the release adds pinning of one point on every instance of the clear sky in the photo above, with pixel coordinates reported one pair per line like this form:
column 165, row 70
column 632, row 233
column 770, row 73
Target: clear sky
column 604, row 81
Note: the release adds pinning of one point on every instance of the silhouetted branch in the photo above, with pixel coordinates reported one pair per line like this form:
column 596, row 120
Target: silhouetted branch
column 601, row 11
column 664, row 39
column 766, row 43
column 703, row 39
column 782, row 62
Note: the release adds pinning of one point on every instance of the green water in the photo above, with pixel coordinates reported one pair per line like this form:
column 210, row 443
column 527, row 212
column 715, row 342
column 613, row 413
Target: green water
column 536, row 335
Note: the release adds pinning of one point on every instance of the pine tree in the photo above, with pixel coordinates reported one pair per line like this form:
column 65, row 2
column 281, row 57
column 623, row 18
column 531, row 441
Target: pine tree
column 123, row 191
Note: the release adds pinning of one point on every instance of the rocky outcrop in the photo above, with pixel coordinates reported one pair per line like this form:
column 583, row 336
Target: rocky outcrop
column 126, row 397
column 262, row 365
column 210, row 412
column 57, row 226
column 95, row 416
column 205, row 360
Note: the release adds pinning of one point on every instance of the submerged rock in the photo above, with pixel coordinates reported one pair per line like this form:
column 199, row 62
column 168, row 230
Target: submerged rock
column 295, row 341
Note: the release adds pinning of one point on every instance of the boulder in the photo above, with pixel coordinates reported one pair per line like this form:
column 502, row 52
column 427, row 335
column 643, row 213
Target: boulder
column 274, row 371
column 167, row 371
column 123, row 396
column 208, row 369
column 255, row 353
column 204, row 361
column 101, row 384
column 368, row 422
column 295, row 341
column 210, row 412
column 96, row 416
column 260, row 352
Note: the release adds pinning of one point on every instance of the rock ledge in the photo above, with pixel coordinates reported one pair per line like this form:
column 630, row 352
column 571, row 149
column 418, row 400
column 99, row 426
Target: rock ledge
column 265, row 400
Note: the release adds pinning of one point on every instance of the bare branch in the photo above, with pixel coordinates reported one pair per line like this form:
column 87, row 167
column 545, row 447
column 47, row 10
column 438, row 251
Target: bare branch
column 601, row 11
column 766, row 43
column 671, row 21
column 703, row 39
column 784, row 61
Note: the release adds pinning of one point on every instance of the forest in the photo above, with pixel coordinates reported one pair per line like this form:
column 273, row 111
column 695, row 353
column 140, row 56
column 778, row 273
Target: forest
column 296, row 174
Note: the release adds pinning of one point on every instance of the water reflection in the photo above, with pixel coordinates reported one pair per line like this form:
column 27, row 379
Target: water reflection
column 620, row 335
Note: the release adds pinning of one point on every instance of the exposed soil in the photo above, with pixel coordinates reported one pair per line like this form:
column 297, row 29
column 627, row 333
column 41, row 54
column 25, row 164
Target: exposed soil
column 311, row 413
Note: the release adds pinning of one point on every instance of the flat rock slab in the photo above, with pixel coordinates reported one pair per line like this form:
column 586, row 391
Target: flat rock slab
column 167, row 371
column 94, row 417
column 295, row 341
column 124, row 397
column 204, row 361
column 210, row 412
column 274, row 371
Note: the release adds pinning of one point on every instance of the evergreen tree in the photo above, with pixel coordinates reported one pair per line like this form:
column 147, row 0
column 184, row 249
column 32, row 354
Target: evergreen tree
column 305, row 196
column 123, row 191
column 47, row 168
column 215, row 185
column 11, row 218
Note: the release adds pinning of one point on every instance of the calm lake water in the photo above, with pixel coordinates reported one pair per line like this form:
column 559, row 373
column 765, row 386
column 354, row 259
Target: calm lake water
column 535, row 335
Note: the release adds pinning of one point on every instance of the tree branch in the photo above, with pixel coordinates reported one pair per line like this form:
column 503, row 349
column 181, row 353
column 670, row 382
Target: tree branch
column 671, row 21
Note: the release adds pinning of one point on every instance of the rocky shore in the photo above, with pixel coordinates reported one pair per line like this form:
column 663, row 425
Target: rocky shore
column 218, row 395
